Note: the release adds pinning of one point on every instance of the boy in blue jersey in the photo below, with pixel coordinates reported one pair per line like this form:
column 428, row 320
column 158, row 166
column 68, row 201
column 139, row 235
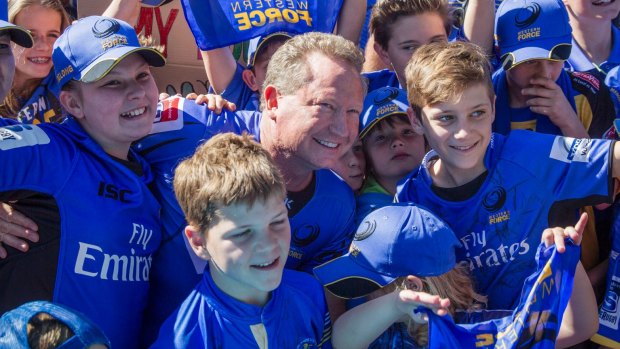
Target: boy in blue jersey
column 533, row 90
column 232, row 195
column 391, row 145
column 497, row 193
column 99, row 224
column 399, row 27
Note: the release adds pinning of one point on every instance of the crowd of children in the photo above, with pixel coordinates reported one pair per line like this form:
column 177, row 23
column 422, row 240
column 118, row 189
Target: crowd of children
column 441, row 191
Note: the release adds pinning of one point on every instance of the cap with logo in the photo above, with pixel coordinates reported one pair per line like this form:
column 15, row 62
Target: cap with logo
column 91, row 47
column 391, row 242
column 532, row 29
column 14, row 333
column 379, row 104
column 18, row 34
column 257, row 43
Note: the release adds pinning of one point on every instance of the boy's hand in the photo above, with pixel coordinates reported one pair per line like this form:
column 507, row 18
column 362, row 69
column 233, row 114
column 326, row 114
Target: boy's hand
column 557, row 235
column 214, row 102
column 15, row 228
column 548, row 99
column 407, row 301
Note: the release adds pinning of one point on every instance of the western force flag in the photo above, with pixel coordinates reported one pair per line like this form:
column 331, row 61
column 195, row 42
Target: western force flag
column 533, row 324
column 219, row 23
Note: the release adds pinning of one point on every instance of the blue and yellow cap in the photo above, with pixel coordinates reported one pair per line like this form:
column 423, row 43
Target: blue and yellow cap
column 91, row 47
column 532, row 29
column 379, row 104
column 391, row 242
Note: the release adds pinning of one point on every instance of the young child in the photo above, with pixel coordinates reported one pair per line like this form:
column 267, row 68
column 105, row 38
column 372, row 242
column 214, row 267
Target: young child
column 399, row 27
column 236, row 83
column 99, row 224
column 9, row 33
column 391, row 145
column 404, row 257
column 43, row 325
column 232, row 195
column 352, row 166
column 497, row 192
column 533, row 90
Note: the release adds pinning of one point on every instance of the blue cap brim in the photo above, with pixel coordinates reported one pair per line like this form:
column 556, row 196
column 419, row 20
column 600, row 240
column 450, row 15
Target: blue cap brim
column 345, row 278
column 364, row 131
column 106, row 62
column 542, row 50
column 18, row 34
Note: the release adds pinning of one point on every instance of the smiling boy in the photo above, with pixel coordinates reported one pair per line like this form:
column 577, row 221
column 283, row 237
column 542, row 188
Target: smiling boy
column 233, row 197
column 497, row 193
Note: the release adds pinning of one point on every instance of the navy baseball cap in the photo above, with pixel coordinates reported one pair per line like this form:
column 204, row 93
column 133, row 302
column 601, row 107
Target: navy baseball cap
column 257, row 43
column 379, row 104
column 532, row 29
column 18, row 34
column 91, row 47
column 14, row 333
column 391, row 242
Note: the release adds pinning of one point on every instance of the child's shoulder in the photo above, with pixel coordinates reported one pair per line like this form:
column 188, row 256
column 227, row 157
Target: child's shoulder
column 300, row 284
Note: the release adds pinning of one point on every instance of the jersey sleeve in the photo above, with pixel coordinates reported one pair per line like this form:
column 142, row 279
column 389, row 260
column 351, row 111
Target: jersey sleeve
column 572, row 169
column 594, row 104
column 33, row 158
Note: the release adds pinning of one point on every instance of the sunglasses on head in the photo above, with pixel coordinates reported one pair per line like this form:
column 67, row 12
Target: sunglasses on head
column 559, row 52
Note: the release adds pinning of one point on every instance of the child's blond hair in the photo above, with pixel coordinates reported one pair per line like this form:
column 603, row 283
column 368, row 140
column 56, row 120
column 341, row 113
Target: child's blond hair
column 456, row 285
column 441, row 72
column 228, row 169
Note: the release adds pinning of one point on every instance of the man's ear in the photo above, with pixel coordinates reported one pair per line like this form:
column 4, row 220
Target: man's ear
column 271, row 98
column 197, row 242
column 383, row 55
column 415, row 121
column 72, row 103
column 250, row 79
column 414, row 283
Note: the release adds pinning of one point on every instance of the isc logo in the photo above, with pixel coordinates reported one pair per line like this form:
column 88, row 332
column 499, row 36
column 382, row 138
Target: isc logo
column 111, row 191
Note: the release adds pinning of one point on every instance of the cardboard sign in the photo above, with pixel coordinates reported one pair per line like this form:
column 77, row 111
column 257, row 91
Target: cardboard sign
column 184, row 72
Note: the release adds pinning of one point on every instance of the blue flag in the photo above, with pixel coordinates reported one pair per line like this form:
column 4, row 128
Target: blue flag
column 535, row 323
column 609, row 313
column 219, row 23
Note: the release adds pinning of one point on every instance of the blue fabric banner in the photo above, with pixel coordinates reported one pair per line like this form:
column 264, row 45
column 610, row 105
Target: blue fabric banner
column 219, row 23
column 608, row 333
column 533, row 324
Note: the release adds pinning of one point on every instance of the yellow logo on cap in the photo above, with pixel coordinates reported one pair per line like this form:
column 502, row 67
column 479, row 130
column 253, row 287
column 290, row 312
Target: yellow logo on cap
column 528, row 34
column 64, row 72
column 387, row 109
column 116, row 40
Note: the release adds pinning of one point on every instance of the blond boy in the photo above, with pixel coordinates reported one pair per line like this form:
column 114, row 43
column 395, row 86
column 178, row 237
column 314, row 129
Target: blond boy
column 232, row 196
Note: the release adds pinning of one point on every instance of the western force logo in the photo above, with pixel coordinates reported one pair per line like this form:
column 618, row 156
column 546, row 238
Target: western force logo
column 365, row 229
column 495, row 199
column 525, row 17
column 304, row 236
column 105, row 27
column 385, row 95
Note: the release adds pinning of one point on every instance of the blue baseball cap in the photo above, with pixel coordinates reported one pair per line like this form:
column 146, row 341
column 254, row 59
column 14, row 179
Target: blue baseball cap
column 379, row 104
column 14, row 333
column 532, row 29
column 391, row 242
column 18, row 34
column 258, row 42
column 91, row 47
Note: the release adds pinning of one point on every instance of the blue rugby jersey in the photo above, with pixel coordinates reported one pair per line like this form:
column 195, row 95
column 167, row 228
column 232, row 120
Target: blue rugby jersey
column 42, row 105
column 320, row 231
column 295, row 316
column 109, row 226
column 534, row 181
